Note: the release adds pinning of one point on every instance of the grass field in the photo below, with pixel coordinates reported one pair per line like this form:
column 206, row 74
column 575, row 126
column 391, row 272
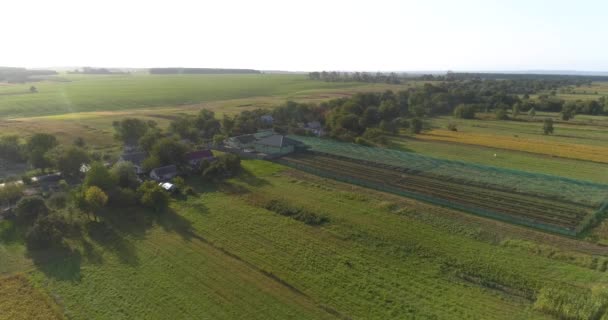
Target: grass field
column 84, row 93
column 220, row 255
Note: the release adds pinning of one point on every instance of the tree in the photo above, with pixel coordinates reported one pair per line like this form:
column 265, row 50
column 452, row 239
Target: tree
column 10, row 193
column 516, row 109
column 183, row 127
column 47, row 232
column 99, row 176
column 151, row 195
column 10, row 148
column 69, row 160
column 124, row 174
column 37, row 146
column 42, row 141
column 147, row 141
column 33, row 89
column 568, row 110
column 95, row 199
column 415, row 125
column 169, row 151
column 532, row 113
column 130, row 130
column 30, row 208
column 548, row 126
column 463, row 111
column 207, row 124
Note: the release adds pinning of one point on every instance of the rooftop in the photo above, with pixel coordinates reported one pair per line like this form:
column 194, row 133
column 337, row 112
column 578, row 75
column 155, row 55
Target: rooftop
column 276, row 140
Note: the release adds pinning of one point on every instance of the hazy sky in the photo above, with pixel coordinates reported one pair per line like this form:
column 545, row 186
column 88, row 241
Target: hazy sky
column 307, row 34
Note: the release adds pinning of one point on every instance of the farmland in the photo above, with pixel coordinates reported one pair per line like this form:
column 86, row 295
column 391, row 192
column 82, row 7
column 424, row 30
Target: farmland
column 549, row 214
column 221, row 255
column 86, row 93
column 397, row 242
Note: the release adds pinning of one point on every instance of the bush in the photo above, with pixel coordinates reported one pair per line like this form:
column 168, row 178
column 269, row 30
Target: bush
column 299, row 214
column 452, row 127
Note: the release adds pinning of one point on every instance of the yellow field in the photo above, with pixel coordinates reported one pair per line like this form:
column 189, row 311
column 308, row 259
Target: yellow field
column 558, row 149
column 20, row 300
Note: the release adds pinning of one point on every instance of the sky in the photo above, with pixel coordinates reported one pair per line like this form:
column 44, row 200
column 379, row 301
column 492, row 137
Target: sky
column 307, row 35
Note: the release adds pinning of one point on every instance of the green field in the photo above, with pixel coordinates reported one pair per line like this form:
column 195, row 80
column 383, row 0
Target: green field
column 83, row 93
column 220, row 255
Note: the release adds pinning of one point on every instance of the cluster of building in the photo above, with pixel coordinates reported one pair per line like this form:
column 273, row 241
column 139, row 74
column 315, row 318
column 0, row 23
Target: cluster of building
column 165, row 173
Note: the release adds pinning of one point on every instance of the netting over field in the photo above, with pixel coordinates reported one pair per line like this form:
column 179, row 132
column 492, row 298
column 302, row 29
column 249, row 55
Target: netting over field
column 582, row 192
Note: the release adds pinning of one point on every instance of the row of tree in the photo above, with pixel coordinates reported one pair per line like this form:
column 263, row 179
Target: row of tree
column 337, row 76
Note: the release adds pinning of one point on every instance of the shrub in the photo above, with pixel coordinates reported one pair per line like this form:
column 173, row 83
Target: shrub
column 299, row 214
column 452, row 126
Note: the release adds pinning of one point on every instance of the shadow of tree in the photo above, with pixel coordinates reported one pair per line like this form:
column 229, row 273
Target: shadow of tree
column 60, row 263
column 251, row 179
column 107, row 237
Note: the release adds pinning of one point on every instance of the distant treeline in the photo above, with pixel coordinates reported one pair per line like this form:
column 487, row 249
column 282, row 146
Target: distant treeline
column 21, row 74
column 571, row 79
column 89, row 70
column 378, row 77
column 201, row 71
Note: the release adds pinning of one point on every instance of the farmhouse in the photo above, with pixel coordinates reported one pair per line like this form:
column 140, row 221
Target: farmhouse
column 164, row 173
column 196, row 157
column 136, row 158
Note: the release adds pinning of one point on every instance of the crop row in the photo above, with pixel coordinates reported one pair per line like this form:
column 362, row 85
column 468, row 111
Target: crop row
column 537, row 210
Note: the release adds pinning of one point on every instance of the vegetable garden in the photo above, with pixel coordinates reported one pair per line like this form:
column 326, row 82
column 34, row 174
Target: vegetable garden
column 547, row 202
